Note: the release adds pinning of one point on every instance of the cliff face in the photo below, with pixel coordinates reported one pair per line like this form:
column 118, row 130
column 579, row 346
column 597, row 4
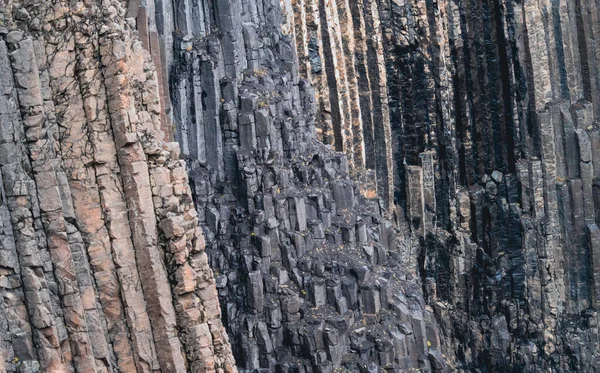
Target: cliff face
column 489, row 111
column 306, row 262
column 102, row 262
column 299, row 185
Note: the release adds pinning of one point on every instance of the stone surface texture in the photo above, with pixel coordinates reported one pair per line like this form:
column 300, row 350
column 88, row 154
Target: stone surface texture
column 299, row 186
column 306, row 258
column 247, row 245
column 490, row 109
column 103, row 265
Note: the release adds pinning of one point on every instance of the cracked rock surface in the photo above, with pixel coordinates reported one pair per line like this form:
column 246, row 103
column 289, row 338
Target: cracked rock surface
column 490, row 109
column 306, row 258
column 299, row 185
column 247, row 245
column 103, row 265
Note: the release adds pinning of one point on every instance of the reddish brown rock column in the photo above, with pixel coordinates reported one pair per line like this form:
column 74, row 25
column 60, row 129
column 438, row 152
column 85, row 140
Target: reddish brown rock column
column 116, row 227
column 138, row 195
column 71, row 281
column 39, row 316
column 83, row 278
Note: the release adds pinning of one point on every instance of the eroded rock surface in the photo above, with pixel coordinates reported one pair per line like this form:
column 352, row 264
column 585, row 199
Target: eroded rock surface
column 299, row 185
column 306, row 260
column 103, row 265
column 492, row 108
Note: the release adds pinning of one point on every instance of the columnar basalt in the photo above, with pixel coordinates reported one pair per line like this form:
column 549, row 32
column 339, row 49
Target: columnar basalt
column 358, row 185
column 306, row 258
column 493, row 110
column 102, row 262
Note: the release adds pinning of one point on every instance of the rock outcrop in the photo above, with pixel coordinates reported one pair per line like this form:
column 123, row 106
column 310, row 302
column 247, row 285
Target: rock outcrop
column 306, row 259
column 299, row 185
column 492, row 107
column 103, row 265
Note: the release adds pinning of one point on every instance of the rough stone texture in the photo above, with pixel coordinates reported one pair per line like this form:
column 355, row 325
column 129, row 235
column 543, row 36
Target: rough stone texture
column 104, row 266
column 493, row 109
column 398, row 185
column 306, row 259
column 102, row 261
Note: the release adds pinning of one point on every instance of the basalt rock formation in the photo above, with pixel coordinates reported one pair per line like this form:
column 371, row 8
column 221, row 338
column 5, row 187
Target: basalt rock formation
column 104, row 263
column 306, row 260
column 299, row 185
column 479, row 118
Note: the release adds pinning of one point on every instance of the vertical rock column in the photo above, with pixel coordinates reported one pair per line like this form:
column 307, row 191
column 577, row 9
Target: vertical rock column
column 552, row 259
column 18, row 284
column 340, row 84
column 64, row 250
column 381, row 118
column 300, row 16
column 446, row 175
column 114, row 212
column 356, row 9
column 348, row 53
column 335, row 74
column 35, row 275
column 564, row 13
column 138, row 195
column 314, row 30
column 462, row 108
column 589, row 32
column 196, row 298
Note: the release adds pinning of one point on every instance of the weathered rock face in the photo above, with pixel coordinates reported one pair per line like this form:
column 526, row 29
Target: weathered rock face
column 490, row 111
column 306, row 265
column 362, row 185
column 102, row 262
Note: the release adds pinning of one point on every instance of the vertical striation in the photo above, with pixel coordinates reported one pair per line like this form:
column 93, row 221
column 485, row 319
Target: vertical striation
column 103, row 265
column 299, row 185
column 493, row 111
